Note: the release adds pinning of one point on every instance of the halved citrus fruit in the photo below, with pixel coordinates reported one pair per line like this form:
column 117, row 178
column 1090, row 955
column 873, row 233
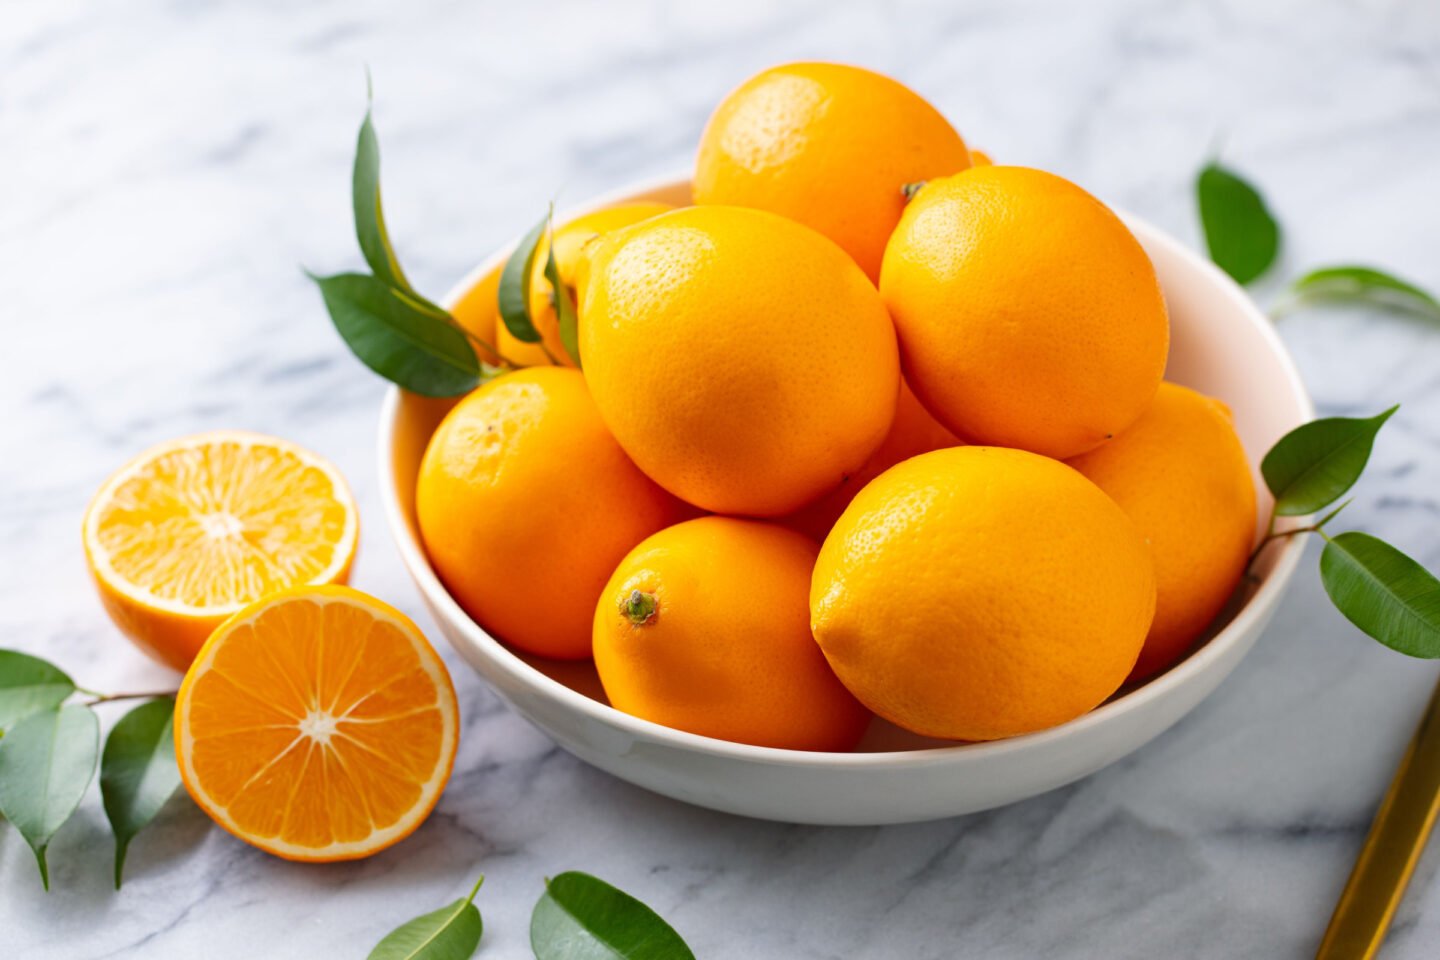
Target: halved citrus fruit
column 317, row 724
column 190, row 531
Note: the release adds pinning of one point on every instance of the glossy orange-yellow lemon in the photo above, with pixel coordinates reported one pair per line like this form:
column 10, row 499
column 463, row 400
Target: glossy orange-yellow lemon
column 975, row 593
column 829, row 145
column 741, row 359
column 317, row 724
column 1028, row 314
column 1181, row 474
column 526, row 503
column 704, row 627
column 192, row 530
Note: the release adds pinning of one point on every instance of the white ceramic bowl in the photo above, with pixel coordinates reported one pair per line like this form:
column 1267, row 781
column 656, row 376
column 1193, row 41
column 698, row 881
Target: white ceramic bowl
column 1221, row 345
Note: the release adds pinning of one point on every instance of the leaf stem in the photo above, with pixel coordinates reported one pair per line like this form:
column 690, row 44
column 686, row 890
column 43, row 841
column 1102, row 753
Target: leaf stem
column 546, row 350
column 482, row 342
column 1272, row 535
column 475, row 889
column 109, row 697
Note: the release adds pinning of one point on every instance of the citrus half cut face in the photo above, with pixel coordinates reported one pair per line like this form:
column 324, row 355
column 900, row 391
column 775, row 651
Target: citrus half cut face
column 317, row 724
column 192, row 530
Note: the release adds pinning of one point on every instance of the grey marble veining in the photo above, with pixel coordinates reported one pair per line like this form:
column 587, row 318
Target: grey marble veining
column 165, row 169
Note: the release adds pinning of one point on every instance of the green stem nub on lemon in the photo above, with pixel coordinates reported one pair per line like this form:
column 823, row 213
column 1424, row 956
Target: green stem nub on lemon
column 639, row 607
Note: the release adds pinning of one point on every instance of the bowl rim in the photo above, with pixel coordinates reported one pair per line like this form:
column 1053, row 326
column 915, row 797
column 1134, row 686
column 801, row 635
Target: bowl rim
column 1188, row 671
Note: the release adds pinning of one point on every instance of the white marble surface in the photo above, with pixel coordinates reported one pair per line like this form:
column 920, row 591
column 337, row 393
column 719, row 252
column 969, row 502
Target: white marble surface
column 165, row 167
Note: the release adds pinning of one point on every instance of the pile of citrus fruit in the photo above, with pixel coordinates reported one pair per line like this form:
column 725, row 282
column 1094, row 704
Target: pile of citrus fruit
column 874, row 426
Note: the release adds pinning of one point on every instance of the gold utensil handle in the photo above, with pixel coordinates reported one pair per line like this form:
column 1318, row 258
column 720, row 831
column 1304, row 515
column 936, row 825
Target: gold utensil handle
column 1391, row 850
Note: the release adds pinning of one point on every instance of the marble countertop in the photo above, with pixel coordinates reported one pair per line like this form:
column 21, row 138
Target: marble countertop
column 165, row 169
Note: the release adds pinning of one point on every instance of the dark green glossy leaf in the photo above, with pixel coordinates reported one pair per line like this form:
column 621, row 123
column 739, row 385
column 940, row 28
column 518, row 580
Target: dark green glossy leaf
column 1242, row 236
column 1384, row 593
column 47, row 762
column 514, row 293
column 450, row 933
column 404, row 339
column 1312, row 465
column 1366, row 285
column 369, row 215
column 29, row 685
column 584, row 918
column 138, row 772
column 564, row 307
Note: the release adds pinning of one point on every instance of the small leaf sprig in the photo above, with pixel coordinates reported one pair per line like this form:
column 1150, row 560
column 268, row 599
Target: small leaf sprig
column 1378, row 588
column 50, row 749
column 386, row 323
column 410, row 340
column 578, row 917
column 1244, row 239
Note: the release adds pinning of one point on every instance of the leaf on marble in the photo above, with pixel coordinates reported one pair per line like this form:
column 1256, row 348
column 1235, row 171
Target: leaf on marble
column 580, row 917
column 406, row 340
column 1313, row 465
column 1242, row 236
column 369, row 214
column 564, row 303
column 47, row 762
column 29, row 685
column 1367, row 286
column 514, row 294
column 138, row 772
column 1383, row 592
column 450, row 933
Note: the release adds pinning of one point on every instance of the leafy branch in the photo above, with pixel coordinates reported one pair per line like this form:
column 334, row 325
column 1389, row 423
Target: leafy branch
column 1379, row 589
column 385, row 322
column 50, row 751
column 408, row 339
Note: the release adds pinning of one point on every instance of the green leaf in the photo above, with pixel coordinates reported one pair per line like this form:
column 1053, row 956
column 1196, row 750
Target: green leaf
column 47, row 762
column 404, row 339
column 583, row 918
column 1384, row 593
column 369, row 216
column 564, row 307
column 1366, row 285
column 1312, row 465
column 138, row 772
column 29, row 685
column 1242, row 236
column 450, row 933
column 514, row 293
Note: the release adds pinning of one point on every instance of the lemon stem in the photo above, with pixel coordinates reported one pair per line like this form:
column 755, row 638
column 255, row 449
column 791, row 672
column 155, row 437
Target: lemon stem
column 910, row 189
column 639, row 607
